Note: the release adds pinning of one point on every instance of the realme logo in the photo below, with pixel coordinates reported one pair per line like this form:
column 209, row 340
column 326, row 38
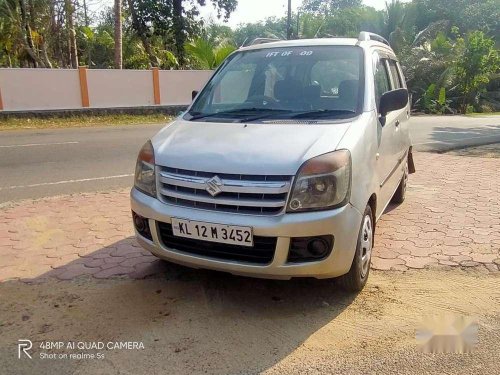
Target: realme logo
column 23, row 346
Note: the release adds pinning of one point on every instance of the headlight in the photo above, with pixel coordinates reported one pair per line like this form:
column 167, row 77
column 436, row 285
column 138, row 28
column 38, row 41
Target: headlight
column 145, row 180
column 323, row 182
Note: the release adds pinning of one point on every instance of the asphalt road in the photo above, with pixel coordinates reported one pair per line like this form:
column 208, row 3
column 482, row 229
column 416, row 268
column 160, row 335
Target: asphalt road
column 442, row 133
column 39, row 163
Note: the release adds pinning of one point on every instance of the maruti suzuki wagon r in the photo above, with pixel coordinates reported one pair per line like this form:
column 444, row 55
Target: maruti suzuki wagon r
column 282, row 164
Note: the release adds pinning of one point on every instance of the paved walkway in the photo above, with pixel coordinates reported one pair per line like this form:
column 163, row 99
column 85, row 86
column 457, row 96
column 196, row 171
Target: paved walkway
column 451, row 218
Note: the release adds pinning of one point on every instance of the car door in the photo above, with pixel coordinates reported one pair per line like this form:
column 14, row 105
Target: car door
column 389, row 143
column 401, row 115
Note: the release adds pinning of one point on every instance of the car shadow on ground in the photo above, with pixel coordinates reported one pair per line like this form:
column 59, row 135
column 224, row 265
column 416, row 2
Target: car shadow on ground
column 456, row 137
column 187, row 315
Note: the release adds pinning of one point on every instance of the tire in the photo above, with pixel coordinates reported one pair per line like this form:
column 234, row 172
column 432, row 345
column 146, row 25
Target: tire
column 355, row 279
column 400, row 194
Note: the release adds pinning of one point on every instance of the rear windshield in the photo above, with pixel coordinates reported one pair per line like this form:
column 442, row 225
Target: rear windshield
column 323, row 81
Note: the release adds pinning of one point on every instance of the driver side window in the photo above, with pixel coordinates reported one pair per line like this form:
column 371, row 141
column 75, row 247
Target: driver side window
column 234, row 86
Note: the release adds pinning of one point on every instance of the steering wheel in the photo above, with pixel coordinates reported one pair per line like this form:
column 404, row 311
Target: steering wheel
column 264, row 100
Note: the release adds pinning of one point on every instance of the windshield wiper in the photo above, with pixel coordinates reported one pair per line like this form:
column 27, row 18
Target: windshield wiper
column 252, row 114
column 324, row 113
column 263, row 112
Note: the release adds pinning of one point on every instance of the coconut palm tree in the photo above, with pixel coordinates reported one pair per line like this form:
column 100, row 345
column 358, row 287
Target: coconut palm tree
column 394, row 16
column 69, row 9
column 206, row 55
column 118, row 34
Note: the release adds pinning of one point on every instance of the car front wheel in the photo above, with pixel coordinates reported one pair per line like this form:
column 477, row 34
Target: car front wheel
column 355, row 279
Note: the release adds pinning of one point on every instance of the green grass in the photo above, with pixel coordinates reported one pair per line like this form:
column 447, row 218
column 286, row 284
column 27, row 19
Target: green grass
column 484, row 114
column 81, row 121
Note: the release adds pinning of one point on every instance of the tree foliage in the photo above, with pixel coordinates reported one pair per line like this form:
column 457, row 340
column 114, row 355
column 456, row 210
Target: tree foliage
column 329, row 6
column 174, row 21
column 206, row 55
column 478, row 62
column 56, row 33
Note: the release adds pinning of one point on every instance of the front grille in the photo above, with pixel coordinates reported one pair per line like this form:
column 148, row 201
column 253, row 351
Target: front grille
column 262, row 251
column 250, row 194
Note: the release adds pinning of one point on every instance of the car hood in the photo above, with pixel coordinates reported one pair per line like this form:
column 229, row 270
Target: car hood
column 255, row 148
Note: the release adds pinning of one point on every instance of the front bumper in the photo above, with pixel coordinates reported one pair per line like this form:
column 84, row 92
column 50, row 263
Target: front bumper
column 343, row 223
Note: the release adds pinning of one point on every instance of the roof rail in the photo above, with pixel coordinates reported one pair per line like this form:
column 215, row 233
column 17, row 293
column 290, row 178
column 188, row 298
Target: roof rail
column 365, row 36
column 260, row 41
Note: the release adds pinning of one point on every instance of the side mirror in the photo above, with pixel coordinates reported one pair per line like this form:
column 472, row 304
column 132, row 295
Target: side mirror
column 393, row 100
column 193, row 94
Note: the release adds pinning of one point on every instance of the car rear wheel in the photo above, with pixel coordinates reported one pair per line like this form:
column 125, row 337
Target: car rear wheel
column 355, row 279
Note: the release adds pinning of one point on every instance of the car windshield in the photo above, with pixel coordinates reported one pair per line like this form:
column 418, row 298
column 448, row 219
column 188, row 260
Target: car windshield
column 287, row 82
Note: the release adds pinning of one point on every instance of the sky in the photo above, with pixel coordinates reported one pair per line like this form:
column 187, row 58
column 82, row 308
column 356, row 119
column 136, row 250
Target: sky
column 247, row 10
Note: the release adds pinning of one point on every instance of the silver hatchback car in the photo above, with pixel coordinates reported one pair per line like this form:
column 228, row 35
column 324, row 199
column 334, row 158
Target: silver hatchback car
column 282, row 164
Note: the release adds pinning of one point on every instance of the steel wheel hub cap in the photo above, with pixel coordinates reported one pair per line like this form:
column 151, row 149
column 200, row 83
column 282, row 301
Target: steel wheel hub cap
column 366, row 245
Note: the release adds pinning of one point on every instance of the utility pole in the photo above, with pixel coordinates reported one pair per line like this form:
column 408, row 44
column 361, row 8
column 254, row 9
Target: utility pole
column 289, row 21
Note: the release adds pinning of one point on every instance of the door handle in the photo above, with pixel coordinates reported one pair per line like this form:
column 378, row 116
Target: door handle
column 397, row 123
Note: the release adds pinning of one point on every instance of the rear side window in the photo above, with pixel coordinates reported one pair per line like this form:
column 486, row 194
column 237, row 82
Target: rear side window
column 396, row 77
column 382, row 82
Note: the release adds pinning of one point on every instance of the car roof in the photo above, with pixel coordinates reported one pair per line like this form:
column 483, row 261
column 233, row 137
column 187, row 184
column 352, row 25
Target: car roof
column 317, row 42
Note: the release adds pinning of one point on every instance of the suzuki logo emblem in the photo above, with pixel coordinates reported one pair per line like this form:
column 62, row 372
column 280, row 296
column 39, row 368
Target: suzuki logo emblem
column 214, row 186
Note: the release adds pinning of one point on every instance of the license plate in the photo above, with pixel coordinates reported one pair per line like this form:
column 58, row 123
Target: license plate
column 229, row 234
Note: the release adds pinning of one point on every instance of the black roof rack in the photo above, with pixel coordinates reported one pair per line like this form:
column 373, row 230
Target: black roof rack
column 365, row 36
column 259, row 41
